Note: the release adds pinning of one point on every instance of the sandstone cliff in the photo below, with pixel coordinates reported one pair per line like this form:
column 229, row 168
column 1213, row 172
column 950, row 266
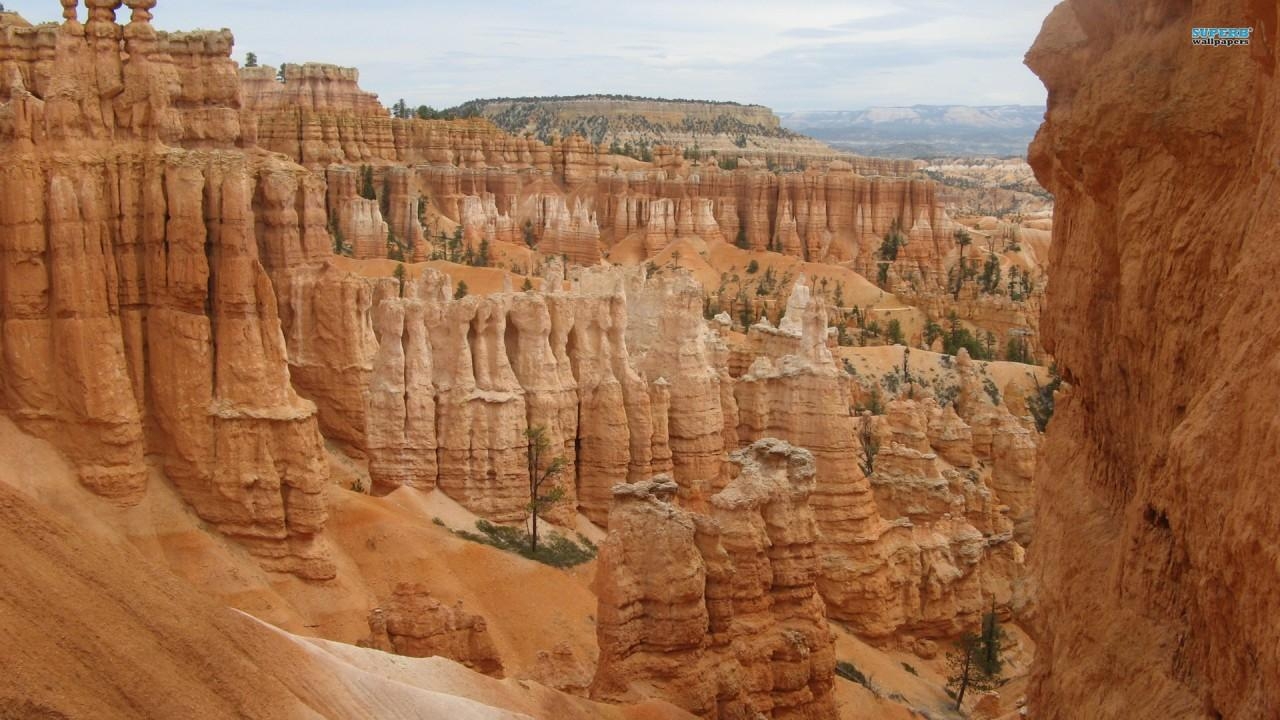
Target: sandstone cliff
column 1156, row 510
column 719, row 613
column 470, row 173
column 138, row 316
column 922, row 544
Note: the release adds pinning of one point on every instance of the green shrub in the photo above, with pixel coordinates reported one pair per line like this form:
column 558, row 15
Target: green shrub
column 849, row 671
column 554, row 550
column 993, row 392
column 895, row 333
column 1040, row 403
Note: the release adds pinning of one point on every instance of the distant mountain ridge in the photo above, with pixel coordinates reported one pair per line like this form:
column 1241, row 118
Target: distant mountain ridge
column 923, row 130
column 600, row 96
column 635, row 125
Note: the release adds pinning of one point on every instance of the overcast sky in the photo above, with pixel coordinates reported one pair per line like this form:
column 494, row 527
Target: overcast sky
column 787, row 54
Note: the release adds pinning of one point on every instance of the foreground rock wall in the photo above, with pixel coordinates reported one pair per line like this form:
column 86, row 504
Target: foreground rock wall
column 1157, row 505
column 138, row 316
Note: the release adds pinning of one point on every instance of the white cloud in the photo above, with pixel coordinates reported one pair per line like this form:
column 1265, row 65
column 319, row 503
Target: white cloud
column 802, row 54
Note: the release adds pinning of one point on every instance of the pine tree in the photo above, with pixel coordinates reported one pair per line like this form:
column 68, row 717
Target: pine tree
column 399, row 275
column 976, row 661
column 251, row 60
column 932, row 331
column 366, row 183
column 540, row 471
column 867, row 438
column 964, row 240
column 1040, row 403
column 461, row 290
column 340, row 244
column 991, row 275
column 527, row 286
column 964, row 669
column 894, row 331
column 453, row 246
column 395, row 251
column 991, row 643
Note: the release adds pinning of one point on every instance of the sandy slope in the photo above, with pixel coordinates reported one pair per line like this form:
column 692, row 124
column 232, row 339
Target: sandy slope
column 93, row 628
column 376, row 542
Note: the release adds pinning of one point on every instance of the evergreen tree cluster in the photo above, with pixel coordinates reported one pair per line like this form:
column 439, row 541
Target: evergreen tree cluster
column 893, row 241
column 451, row 248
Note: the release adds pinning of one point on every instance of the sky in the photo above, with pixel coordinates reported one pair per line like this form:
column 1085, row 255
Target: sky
column 790, row 55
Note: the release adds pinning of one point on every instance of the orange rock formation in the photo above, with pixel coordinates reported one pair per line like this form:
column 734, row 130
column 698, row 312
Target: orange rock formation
column 492, row 183
column 719, row 613
column 138, row 314
column 417, row 625
column 1157, row 505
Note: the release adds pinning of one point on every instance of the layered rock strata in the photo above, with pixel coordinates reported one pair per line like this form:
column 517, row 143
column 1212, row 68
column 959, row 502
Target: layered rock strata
column 920, row 545
column 718, row 613
column 439, row 392
column 170, row 302
column 581, row 201
column 138, row 317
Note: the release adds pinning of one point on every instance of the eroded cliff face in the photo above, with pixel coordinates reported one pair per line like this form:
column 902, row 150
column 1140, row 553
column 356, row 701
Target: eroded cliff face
column 718, row 612
column 921, row 540
column 138, row 316
column 1157, row 507
column 578, row 200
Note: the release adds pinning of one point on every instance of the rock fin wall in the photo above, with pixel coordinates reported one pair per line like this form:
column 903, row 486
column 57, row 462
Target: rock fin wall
column 1157, row 506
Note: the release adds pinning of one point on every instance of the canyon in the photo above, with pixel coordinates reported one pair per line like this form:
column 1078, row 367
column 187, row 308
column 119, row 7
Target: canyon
column 212, row 332
column 273, row 364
